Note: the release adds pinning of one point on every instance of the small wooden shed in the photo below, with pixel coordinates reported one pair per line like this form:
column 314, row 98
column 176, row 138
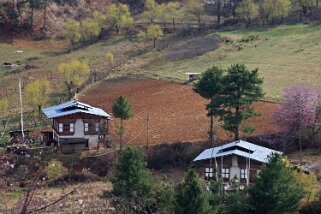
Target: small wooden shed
column 193, row 76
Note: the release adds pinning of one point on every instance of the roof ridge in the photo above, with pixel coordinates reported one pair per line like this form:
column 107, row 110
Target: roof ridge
column 71, row 107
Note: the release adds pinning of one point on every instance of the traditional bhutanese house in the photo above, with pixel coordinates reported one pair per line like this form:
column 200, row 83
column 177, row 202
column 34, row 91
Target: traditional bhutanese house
column 239, row 160
column 77, row 126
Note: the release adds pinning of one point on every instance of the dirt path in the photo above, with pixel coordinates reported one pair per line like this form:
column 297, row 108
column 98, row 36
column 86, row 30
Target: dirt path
column 176, row 112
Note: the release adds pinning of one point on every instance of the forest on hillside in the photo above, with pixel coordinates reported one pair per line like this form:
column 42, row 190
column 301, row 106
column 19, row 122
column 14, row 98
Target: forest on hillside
column 46, row 15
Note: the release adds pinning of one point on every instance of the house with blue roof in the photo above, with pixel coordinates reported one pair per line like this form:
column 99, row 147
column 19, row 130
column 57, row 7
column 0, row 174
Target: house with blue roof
column 78, row 126
column 238, row 161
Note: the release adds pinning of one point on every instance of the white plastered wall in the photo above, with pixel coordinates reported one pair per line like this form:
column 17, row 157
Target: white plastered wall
column 79, row 133
column 235, row 169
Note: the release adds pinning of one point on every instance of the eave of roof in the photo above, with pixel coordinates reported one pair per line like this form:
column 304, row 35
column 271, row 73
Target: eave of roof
column 259, row 154
column 62, row 110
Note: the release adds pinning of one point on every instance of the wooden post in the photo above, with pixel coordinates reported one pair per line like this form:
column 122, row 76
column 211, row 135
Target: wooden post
column 249, row 169
column 21, row 112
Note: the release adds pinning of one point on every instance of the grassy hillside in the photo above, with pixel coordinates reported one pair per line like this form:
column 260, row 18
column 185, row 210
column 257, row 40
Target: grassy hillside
column 285, row 55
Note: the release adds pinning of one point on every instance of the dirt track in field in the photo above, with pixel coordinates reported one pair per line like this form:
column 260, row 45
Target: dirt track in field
column 176, row 113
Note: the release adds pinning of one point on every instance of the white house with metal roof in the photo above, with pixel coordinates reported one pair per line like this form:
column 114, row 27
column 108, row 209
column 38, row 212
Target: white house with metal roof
column 78, row 126
column 238, row 160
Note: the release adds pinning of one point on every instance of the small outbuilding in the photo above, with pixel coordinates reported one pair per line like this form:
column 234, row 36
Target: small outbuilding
column 238, row 161
column 193, row 76
column 77, row 126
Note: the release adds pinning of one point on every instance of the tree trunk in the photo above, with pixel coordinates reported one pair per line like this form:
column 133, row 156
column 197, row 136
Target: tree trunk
column 272, row 23
column 248, row 22
column 13, row 5
column 154, row 42
column 212, row 140
column 69, row 88
column 4, row 124
column 218, row 13
column 212, row 129
column 300, row 144
column 39, row 112
column 164, row 24
column 117, row 29
column 32, row 6
column 199, row 24
column 45, row 15
column 237, row 130
column 121, row 135
column 304, row 10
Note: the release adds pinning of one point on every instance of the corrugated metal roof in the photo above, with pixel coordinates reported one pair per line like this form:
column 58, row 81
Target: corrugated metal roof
column 73, row 107
column 255, row 152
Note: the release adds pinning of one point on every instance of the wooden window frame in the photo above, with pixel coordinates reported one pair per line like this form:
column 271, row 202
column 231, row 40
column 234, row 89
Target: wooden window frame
column 209, row 172
column 225, row 173
column 60, row 127
column 243, row 174
column 91, row 127
column 66, row 128
column 86, row 127
column 71, row 127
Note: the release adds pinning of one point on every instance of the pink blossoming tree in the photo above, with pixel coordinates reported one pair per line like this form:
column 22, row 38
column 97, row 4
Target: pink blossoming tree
column 298, row 110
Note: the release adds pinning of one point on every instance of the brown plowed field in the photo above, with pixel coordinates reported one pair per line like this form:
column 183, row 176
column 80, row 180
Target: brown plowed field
column 176, row 112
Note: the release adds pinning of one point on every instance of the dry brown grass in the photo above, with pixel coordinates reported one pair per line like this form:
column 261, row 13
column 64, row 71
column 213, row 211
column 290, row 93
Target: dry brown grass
column 89, row 193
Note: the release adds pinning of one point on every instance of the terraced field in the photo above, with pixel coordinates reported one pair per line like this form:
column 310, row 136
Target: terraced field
column 175, row 112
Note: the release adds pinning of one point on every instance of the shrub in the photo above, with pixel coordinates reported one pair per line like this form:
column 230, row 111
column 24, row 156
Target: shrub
column 54, row 169
column 173, row 155
column 313, row 207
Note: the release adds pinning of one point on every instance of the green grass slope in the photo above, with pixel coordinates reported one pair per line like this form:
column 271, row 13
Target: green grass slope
column 285, row 55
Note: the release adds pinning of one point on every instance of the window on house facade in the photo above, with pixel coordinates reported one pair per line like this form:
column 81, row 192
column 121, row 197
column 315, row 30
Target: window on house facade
column 208, row 172
column 72, row 127
column 225, row 173
column 243, row 173
column 97, row 127
column 66, row 127
column 61, row 127
column 91, row 127
column 86, row 127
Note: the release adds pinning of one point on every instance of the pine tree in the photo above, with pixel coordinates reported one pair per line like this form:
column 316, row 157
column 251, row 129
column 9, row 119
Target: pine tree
column 123, row 110
column 242, row 87
column 275, row 189
column 210, row 87
column 231, row 92
column 165, row 198
column 191, row 198
column 131, row 177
